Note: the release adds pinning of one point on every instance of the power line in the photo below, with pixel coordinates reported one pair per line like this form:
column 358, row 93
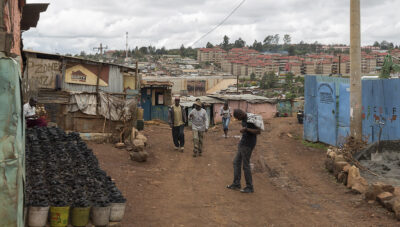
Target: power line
column 222, row 22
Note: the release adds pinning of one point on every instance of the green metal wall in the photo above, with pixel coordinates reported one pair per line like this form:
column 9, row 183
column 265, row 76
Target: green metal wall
column 12, row 145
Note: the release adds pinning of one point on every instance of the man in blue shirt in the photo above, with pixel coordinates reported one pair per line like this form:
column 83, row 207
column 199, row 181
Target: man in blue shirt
column 252, row 125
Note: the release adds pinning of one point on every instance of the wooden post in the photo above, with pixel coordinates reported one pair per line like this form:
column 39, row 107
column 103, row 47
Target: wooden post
column 97, row 87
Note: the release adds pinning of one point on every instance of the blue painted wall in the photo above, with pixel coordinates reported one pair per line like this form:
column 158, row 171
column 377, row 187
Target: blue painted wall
column 310, row 109
column 159, row 112
column 381, row 102
column 344, row 114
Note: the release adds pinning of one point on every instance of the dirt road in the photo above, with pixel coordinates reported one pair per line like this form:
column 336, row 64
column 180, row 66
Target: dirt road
column 292, row 188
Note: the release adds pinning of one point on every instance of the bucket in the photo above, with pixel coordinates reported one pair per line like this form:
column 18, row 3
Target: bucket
column 37, row 216
column 140, row 112
column 140, row 125
column 101, row 215
column 80, row 216
column 59, row 216
column 117, row 211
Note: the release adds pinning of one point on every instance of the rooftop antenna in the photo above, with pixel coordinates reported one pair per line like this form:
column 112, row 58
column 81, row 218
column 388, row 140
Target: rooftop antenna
column 126, row 48
column 100, row 48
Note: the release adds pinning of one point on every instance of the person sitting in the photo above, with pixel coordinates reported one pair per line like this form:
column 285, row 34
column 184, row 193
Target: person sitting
column 31, row 117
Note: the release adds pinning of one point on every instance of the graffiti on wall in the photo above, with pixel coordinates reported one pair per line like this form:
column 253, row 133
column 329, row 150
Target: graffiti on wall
column 43, row 72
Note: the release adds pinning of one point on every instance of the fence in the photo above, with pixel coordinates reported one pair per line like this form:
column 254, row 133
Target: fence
column 327, row 109
column 381, row 103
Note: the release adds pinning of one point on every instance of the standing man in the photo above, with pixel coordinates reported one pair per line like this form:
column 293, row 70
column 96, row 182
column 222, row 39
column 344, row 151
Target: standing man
column 177, row 120
column 251, row 126
column 199, row 119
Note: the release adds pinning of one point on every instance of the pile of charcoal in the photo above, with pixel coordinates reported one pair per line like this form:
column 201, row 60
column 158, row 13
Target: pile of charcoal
column 62, row 171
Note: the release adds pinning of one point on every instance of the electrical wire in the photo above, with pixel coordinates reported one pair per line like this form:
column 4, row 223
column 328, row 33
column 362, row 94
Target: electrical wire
column 221, row 23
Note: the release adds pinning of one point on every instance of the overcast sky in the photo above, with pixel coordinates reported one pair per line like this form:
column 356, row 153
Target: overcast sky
column 69, row 26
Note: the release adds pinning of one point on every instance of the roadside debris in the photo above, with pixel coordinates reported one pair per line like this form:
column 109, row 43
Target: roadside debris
column 135, row 145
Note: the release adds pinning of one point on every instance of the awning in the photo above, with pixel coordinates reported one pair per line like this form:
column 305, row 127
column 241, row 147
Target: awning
column 31, row 14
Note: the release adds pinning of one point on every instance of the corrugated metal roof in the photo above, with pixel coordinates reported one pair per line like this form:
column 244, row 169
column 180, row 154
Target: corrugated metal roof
column 189, row 101
column 146, row 83
column 60, row 57
column 245, row 97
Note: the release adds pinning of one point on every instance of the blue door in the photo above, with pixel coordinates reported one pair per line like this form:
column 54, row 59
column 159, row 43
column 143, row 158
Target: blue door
column 326, row 101
column 146, row 104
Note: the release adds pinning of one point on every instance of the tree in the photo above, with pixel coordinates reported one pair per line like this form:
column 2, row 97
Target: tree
column 252, row 76
column 276, row 39
column 287, row 39
column 182, row 51
column 376, row 44
column 268, row 39
column 225, row 43
column 291, row 50
column 239, row 43
column 143, row 50
column 82, row 54
column 257, row 46
column 385, row 45
column 209, row 45
column 268, row 80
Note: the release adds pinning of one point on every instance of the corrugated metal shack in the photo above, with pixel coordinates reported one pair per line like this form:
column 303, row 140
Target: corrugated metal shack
column 75, row 91
column 263, row 106
column 156, row 97
column 209, row 104
column 260, row 105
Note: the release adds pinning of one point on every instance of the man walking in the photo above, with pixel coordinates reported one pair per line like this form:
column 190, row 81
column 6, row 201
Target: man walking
column 177, row 120
column 252, row 125
column 199, row 119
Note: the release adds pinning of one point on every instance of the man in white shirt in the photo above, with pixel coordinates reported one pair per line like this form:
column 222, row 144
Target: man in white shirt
column 30, row 109
column 199, row 119
column 31, row 118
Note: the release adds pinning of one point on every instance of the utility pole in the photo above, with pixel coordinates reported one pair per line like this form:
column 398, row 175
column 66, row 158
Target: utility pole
column 355, row 71
column 101, row 49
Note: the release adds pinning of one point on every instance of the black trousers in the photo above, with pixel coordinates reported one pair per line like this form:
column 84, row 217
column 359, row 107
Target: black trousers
column 178, row 136
column 242, row 157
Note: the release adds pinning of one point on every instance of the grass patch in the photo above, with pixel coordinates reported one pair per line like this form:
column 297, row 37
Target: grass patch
column 320, row 146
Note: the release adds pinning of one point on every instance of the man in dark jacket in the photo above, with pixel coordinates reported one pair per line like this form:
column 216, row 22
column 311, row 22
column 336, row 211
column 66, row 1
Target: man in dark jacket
column 251, row 127
column 177, row 120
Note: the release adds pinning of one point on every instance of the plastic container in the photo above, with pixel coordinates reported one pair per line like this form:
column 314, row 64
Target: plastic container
column 140, row 113
column 140, row 125
column 101, row 215
column 117, row 212
column 59, row 216
column 80, row 216
column 37, row 216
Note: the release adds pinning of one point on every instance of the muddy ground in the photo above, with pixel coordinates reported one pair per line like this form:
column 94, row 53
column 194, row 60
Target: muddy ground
column 292, row 187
